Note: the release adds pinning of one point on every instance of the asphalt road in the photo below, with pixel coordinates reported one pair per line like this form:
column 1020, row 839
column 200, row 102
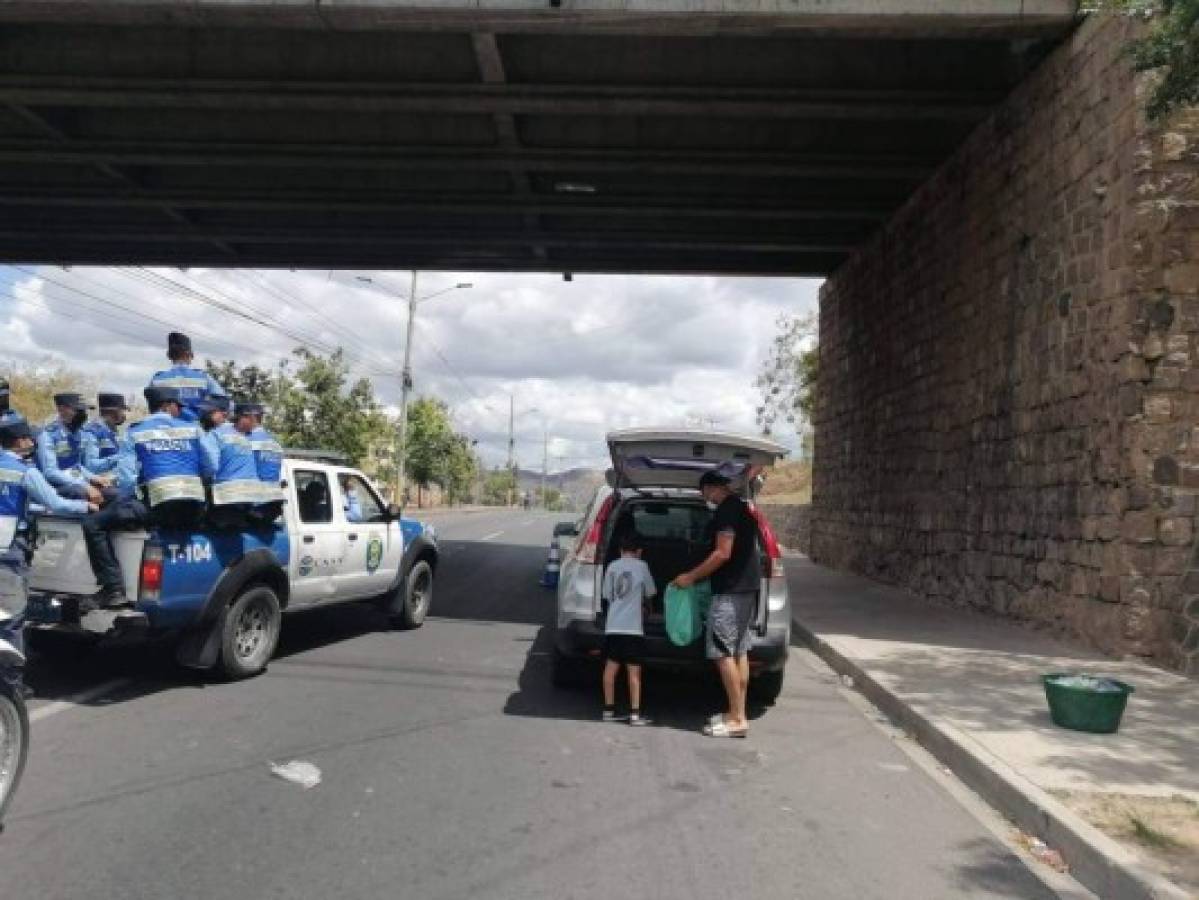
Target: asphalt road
column 451, row 769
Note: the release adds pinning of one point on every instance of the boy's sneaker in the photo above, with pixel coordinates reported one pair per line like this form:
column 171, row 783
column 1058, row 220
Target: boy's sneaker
column 611, row 715
column 638, row 719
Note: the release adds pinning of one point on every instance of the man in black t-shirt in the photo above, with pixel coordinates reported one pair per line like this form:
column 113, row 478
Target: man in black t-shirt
column 735, row 571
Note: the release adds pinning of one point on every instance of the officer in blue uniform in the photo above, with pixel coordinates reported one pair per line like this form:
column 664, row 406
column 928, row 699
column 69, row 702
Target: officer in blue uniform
column 60, row 450
column 159, row 479
column 193, row 384
column 99, row 438
column 20, row 485
column 235, row 485
column 268, row 456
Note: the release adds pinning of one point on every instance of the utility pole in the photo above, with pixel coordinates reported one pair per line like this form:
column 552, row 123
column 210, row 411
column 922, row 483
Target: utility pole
column 512, row 447
column 545, row 467
column 406, row 387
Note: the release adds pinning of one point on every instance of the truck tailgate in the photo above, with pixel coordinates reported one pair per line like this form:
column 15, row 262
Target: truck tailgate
column 61, row 565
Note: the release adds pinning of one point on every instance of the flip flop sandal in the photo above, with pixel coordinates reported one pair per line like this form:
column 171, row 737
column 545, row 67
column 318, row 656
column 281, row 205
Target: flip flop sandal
column 721, row 730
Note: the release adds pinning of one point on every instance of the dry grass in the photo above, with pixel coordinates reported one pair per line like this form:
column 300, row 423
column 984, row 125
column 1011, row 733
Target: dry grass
column 1164, row 830
column 788, row 483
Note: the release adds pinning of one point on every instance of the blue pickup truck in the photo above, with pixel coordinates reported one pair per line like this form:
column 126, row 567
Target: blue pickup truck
column 223, row 594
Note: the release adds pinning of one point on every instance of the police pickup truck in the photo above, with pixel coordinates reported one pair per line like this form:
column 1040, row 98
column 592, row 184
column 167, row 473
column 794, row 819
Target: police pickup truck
column 222, row 593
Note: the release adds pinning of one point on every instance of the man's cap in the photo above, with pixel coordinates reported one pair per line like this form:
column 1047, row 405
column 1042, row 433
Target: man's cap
column 73, row 400
column 713, row 479
column 11, row 431
column 214, row 403
column 178, row 342
column 156, row 395
column 254, row 409
column 246, row 409
column 112, row 401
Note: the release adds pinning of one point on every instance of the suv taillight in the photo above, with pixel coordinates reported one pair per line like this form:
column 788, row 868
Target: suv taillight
column 150, row 585
column 774, row 553
column 588, row 550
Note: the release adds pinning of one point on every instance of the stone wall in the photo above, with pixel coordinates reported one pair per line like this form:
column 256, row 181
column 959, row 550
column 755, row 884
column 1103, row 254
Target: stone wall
column 1008, row 415
column 791, row 524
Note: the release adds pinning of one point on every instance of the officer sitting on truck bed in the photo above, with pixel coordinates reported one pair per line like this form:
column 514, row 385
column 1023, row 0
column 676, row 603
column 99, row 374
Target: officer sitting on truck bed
column 235, row 485
column 160, row 460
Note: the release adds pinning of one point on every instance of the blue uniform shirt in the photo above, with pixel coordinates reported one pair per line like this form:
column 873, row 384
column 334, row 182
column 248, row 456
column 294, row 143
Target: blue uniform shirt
column 21, row 485
column 60, row 459
column 195, row 385
column 231, row 456
column 170, row 460
column 98, row 447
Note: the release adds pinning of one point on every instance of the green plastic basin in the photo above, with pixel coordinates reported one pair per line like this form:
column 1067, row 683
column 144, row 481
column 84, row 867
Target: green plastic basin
column 1085, row 707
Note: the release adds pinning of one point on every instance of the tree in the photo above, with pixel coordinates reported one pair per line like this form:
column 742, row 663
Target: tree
column 32, row 388
column 1170, row 46
column 498, row 487
column 434, row 453
column 245, row 383
column 788, row 377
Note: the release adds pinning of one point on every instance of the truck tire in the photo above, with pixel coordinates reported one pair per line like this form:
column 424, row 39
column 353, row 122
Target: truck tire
column 14, row 743
column 565, row 672
column 765, row 689
column 250, row 632
column 409, row 604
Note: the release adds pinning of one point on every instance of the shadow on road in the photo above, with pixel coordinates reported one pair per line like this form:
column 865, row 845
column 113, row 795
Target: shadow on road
column 673, row 699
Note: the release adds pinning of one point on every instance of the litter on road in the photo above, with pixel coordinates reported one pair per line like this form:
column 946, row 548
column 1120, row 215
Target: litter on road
column 305, row 774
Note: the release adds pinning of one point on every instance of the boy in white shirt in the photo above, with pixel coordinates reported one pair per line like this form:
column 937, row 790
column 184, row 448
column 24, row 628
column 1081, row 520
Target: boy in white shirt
column 627, row 587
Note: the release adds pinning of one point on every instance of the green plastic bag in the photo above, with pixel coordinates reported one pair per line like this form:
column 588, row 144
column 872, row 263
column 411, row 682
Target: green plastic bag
column 686, row 609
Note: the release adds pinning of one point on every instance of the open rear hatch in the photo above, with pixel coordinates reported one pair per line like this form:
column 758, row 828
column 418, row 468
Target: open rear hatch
column 649, row 458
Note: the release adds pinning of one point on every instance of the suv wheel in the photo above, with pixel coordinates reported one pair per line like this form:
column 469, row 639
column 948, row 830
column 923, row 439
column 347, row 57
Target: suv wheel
column 765, row 689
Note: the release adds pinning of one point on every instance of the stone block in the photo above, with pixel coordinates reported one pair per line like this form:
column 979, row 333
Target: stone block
column 1176, row 531
column 1139, row 527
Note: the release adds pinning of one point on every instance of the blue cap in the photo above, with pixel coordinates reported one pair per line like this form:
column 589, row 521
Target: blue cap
column 214, row 403
column 13, row 430
column 157, row 395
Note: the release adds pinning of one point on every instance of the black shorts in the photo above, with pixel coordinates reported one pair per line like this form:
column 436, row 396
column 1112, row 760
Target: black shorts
column 624, row 648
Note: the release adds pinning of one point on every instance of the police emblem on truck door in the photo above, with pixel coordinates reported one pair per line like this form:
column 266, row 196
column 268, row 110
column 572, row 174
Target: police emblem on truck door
column 374, row 554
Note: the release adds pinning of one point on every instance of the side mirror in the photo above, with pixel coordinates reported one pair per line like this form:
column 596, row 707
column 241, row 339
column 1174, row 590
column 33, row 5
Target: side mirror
column 566, row 529
column 394, row 512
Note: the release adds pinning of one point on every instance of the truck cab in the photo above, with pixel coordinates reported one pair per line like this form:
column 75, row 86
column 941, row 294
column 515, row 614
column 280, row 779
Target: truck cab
column 222, row 593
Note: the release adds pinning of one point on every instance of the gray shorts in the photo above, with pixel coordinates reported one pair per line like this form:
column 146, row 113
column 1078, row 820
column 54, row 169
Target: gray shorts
column 729, row 619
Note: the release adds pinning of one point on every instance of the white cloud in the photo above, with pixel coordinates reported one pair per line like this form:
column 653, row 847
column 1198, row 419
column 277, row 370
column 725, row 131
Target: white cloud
column 593, row 354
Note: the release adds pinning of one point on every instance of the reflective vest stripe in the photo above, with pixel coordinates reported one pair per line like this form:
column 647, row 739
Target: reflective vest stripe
column 175, row 487
column 182, row 381
column 12, row 476
column 181, row 433
column 8, row 531
column 239, row 491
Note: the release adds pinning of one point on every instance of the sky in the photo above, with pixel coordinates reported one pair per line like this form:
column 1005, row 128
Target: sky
column 579, row 358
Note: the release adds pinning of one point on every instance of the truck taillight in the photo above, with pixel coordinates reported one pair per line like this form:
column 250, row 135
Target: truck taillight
column 589, row 548
column 774, row 552
column 150, row 586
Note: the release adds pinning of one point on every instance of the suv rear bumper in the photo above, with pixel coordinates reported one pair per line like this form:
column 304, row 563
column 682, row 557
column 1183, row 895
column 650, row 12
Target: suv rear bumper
column 581, row 639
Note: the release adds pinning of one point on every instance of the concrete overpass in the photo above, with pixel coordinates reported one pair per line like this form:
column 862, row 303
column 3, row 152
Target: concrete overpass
column 716, row 136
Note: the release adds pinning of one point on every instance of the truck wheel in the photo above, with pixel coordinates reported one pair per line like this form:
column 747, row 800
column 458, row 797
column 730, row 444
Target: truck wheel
column 765, row 689
column 410, row 603
column 250, row 633
column 14, row 743
column 565, row 672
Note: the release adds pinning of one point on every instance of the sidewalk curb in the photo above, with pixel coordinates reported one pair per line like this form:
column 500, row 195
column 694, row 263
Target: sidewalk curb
column 1095, row 860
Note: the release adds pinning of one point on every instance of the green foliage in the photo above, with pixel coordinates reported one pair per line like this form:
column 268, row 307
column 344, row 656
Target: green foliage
column 498, row 487
column 552, row 499
column 434, row 452
column 1170, row 47
column 788, row 377
column 33, row 388
column 244, row 383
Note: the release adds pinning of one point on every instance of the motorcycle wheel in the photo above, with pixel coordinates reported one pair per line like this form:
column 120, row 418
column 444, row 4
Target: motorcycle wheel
column 14, row 742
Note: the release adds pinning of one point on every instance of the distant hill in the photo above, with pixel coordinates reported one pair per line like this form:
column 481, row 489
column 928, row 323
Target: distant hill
column 577, row 484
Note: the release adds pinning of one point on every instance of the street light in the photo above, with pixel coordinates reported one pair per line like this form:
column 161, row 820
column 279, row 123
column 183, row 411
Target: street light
column 406, row 372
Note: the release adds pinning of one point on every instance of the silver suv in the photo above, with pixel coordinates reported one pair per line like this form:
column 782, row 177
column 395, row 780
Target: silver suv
column 653, row 491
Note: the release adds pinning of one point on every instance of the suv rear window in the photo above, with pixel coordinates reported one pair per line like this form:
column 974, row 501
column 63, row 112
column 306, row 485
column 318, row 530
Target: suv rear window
column 659, row 520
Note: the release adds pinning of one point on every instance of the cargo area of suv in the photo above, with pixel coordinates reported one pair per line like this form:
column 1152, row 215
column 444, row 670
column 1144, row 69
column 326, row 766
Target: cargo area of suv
column 653, row 494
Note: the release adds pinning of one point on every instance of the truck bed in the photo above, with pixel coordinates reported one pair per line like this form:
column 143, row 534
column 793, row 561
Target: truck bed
column 61, row 565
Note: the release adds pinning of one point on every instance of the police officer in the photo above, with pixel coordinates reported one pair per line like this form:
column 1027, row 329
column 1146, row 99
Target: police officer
column 235, row 485
column 159, row 479
column 7, row 413
column 193, row 384
column 268, row 456
column 99, row 438
column 20, row 485
column 214, row 411
column 60, row 450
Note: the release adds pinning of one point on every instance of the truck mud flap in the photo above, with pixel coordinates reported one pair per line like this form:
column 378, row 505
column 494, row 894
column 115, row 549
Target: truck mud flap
column 200, row 647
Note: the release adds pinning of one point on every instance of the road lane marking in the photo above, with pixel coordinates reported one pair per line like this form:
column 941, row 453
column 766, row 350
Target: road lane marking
column 50, row 709
column 489, row 537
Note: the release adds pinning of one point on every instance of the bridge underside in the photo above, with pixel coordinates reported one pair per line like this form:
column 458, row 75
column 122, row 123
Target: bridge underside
column 754, row 138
